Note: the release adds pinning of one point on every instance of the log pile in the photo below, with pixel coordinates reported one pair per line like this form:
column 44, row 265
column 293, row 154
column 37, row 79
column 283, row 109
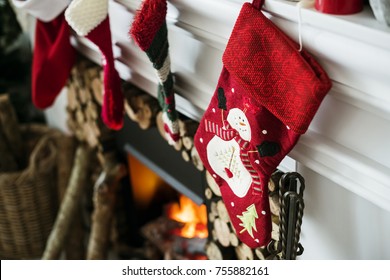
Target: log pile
column 188, row 151
column 223, row 242
column 144, row 109
column 185, row 145
column 162, row 243
column 155, row 233
column 140, row 107
column 84, row 103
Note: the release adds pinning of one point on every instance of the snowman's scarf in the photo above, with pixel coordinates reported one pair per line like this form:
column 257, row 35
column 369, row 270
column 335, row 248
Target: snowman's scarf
column 225, row 133
column 228, row 133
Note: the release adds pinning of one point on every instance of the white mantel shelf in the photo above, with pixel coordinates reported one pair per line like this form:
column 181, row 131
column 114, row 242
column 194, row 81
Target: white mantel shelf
column 361, row 26
column 347, row 141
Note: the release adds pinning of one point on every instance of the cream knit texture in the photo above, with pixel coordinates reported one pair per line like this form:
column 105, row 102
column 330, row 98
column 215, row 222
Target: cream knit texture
column 84, row 15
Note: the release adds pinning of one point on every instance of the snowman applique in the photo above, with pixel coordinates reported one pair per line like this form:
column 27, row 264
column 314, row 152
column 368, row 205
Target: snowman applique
column 227, row 152
column 237, row 149
column 228, row 155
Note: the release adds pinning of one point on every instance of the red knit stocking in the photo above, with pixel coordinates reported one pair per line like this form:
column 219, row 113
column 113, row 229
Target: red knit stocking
column 90, row 18
column 266, row 97
column 53, row 58
column 112, row 110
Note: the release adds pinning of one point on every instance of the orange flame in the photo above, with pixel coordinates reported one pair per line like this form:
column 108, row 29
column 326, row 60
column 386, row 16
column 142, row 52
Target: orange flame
column 193, row 217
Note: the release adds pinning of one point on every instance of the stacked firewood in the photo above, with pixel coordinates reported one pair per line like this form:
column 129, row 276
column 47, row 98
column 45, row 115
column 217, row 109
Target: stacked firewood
column 144, row 109
column 140, row 107
column 188, row 150
column 185, row 145
column 84, row 102
column 223, row 242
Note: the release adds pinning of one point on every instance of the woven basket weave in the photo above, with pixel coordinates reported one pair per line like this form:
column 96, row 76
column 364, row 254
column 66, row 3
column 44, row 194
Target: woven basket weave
column 28, row 198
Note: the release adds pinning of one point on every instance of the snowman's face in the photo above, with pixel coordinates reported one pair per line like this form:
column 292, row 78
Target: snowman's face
column 239, row 122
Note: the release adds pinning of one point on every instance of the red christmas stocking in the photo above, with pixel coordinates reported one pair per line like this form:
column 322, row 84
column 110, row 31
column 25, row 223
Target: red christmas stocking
column 53, row 58
column 90, row 18
column 149, row 31
column 267, row 94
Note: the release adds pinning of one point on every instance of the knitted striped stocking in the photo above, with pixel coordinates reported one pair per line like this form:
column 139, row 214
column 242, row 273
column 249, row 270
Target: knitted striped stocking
column 90, row 18
column 149, row 31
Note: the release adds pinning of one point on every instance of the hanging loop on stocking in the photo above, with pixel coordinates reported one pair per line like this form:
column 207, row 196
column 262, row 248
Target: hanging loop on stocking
column 258, row 4
column 302, row 4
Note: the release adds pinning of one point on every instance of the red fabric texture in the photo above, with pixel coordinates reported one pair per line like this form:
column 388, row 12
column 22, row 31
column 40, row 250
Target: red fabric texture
column 113, row 102
column 148, row 21
column 266, row 97
column 53, row 59
column 257, row 4
column 265, row 127
column 289, row 83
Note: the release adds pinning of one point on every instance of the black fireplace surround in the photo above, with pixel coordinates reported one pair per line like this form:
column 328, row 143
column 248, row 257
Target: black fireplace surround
column 150, row 148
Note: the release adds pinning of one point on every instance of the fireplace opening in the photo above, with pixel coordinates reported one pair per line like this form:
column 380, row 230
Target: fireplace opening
column 170, row 224
column 149, row 191
column 149, row 148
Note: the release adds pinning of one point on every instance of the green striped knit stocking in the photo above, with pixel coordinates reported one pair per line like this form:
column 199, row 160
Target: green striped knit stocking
column 150, row 33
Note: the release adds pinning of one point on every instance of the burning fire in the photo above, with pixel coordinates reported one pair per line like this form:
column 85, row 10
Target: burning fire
column 193, row 217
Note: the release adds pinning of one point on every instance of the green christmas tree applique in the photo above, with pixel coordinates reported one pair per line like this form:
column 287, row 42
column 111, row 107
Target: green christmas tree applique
column 248, row 219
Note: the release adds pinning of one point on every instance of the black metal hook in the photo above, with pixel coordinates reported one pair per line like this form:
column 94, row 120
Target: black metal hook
column 291, row 187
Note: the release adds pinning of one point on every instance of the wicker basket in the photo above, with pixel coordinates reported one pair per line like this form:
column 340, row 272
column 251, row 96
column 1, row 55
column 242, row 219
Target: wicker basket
column 28, row 198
